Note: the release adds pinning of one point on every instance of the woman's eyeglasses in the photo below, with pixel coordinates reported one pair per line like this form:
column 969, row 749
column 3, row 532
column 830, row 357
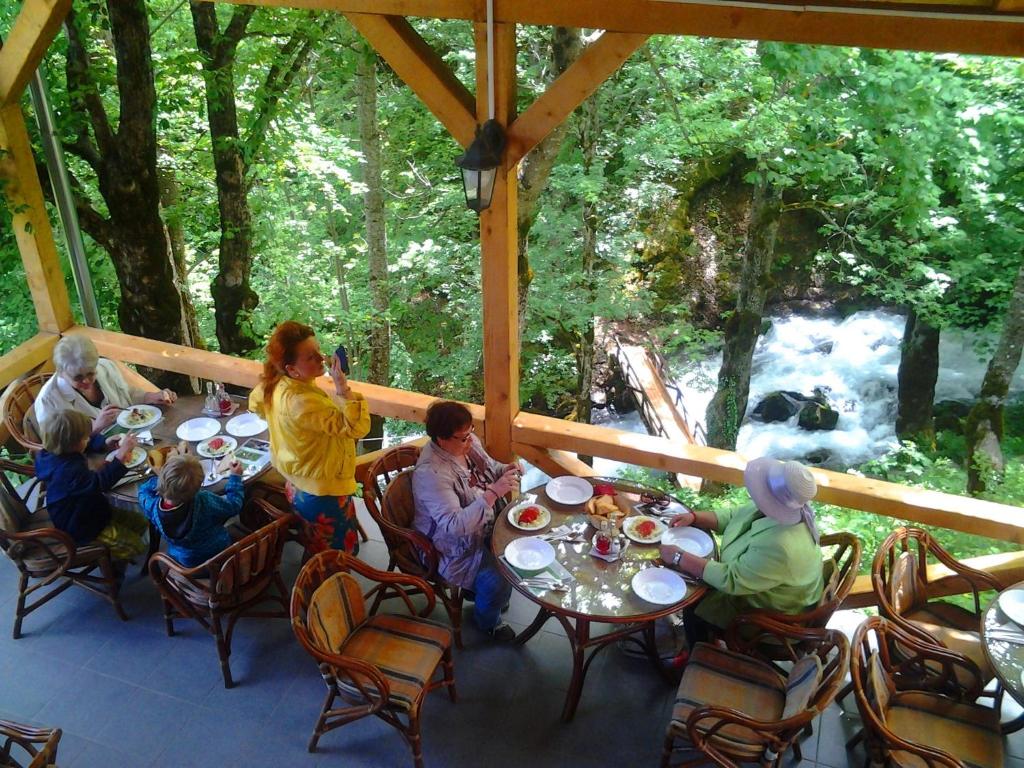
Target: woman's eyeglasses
column 466, row 437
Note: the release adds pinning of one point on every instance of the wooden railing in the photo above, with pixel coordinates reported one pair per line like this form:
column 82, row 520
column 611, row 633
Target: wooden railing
column 551, row 444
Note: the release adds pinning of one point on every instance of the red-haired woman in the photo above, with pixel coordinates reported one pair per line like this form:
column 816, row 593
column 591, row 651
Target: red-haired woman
column 312, row 434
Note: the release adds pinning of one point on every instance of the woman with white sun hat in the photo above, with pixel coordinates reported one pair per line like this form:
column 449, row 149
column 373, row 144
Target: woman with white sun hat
column 769, row 552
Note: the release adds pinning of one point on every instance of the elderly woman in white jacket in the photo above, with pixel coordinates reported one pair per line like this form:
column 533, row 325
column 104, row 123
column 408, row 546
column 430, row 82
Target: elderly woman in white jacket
column 92, row 385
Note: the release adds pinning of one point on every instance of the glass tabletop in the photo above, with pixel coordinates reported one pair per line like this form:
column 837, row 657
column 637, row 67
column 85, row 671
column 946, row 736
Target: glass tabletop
column 1003, row 640
column 598, row 590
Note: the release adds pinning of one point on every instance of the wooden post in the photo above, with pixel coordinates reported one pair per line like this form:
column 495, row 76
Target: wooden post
column 20, row 183
column 499, row 269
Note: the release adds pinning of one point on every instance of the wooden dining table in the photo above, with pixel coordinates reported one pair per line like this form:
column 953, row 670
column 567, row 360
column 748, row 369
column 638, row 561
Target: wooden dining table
column 1003, row 642
column 599, row 592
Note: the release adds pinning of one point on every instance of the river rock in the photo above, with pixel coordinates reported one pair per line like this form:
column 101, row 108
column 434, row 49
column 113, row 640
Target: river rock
column 815, row 416
column 782, row 405
column 825, row 347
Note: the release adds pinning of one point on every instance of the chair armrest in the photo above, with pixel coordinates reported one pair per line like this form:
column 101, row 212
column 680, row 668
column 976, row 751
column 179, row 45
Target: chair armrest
column 777, row 734
column 423, row 545
column 749, row 631
column 334, row 666
column 932, row 666
column 391, row 581
column 27, row 737
column 43, row 538
column 25, row 470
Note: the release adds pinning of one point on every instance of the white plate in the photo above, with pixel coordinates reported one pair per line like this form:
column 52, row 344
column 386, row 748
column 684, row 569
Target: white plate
column 246, row 425
column 529, row 553
column 138, row 457
column 516, row 510
column 204, row 449
column 151, row 412
column 198, row 429
column 1011, row 602
column 569, row 490
column 659, row 585
column 630, row 524
column 693, row 540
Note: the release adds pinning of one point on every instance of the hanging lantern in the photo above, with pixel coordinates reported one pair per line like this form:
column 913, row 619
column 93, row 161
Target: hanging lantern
column 480, row 164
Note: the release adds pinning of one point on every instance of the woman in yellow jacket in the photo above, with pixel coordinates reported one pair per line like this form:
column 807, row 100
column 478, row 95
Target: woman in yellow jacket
column 312, row 434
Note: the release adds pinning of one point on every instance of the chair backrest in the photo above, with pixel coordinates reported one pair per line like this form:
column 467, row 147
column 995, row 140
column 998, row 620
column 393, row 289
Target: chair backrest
column 320, row 569
column 19, row 414
column 380, row 474
column 839, row 570
column 397, row 512
column 244, row 569
column 14, row 514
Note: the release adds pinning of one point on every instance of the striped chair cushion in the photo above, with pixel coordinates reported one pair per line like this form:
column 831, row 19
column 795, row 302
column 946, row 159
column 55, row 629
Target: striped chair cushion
column 801, row 684
column 721, row 677
column 967, row 731
column 406, row 650
column 335, row 610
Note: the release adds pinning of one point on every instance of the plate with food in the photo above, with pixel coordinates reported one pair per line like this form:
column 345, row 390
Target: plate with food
column 215, row 447
column 643, row 529
column 569, row 490
column 198, row 429
column 692, row 540
column 139, row 416
column 529, row 516
column 137, row 457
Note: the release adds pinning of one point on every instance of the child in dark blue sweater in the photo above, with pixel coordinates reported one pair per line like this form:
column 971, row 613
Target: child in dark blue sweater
column 192, row 520
column 74, row 493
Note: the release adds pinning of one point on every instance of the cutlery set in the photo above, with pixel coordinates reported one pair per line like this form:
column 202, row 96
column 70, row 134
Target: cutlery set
column 554, row 585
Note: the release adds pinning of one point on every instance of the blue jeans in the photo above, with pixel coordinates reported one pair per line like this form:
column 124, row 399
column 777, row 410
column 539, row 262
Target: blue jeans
column 492, row 592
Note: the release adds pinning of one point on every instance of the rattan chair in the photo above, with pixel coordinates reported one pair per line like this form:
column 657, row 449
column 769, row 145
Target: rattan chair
column 39, row 745
column 48, row 560
column 925, row 724
column 900, row 578
column 230, row 585
column 387, row 492
column 378, row 664
column 735, row 706
column 19, row 415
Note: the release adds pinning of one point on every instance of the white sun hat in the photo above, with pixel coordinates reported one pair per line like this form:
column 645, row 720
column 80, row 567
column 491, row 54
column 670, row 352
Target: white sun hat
column 781, row 490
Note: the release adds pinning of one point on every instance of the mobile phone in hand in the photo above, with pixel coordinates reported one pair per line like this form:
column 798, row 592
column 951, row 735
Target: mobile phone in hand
column 342, row 354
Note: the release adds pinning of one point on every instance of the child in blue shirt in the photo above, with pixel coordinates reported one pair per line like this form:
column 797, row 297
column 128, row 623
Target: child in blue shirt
column 75, row 497
column 190, row 519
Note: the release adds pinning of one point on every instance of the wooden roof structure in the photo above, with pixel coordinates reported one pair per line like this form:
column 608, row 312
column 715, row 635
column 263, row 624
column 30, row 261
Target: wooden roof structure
column 994, row 27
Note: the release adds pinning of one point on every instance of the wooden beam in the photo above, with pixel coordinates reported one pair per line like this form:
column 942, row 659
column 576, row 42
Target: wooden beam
column 421, row 69
column 930, row 508
column 26, row 357
column 20, row 183
column 597, row 62
column 554, row 463
column 499, row 271
column 964, row 27
column 34, row 29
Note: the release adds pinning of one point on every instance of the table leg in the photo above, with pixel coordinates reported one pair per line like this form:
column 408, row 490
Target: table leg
column 579, row 638
column 542, row 616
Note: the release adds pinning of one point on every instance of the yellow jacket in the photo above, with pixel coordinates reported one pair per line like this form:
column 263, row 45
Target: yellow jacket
column 312, row 435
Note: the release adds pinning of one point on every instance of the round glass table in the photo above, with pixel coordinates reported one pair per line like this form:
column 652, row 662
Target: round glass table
column 1003, row 641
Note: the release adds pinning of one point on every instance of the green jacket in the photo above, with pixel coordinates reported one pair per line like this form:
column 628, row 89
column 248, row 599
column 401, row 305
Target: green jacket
column 763, row 564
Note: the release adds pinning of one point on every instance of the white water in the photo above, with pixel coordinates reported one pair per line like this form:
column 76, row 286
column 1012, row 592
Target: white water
column 858, row 376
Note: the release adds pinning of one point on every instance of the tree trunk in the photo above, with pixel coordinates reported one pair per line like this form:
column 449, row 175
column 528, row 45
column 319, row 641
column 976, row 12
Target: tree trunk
column 729, row 404
column 376, row 232
column 125, row 165
column 535, row 168
column 233, row 298
column 919, row 368
column 984, row 429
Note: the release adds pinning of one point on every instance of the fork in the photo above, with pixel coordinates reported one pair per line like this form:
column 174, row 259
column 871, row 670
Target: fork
column 548, row 584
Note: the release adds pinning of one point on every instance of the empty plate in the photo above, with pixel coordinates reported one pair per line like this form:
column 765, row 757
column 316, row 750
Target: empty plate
column 659, row 585
column 529, row 553
column 692, row 540
column 198, row 429
column 1011, row 602
column 245, row 425
column 569, row 490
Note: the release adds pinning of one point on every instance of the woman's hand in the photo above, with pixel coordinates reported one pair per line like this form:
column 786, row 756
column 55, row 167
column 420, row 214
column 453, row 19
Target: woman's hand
column 686, row 518
column 163, row 397
column 505, row 483
column 341, row 386
column 683, row 561
column 105, row 418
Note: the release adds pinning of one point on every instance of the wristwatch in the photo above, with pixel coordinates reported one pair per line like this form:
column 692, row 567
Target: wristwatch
column 676, row 558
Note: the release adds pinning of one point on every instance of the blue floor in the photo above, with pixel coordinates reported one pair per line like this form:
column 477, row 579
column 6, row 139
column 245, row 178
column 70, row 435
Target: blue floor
column 125, row 694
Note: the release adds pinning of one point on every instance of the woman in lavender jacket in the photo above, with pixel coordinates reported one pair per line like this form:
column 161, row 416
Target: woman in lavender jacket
column 455, row 486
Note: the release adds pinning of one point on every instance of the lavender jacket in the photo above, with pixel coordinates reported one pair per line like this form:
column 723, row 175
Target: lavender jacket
column 451, row 512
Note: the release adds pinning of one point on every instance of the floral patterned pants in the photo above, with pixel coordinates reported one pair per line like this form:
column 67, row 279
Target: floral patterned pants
column 333, row 519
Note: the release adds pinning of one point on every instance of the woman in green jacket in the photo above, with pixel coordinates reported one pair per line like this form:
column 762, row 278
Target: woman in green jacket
column 770, row 556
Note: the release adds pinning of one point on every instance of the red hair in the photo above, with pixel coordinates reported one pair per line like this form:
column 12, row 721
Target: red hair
column 281, row 352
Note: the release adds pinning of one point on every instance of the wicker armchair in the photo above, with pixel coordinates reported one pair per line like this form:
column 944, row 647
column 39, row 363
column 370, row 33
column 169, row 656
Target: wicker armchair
column 387, row 492
column 379, row 664
column 918, row 727
column 38, row 744
column 228, row 586
column 899, row 575
column 48, row 559
column 733, row 704
column 18, row 412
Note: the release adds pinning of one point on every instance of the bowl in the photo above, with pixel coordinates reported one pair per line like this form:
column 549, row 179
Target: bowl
column 529, row 554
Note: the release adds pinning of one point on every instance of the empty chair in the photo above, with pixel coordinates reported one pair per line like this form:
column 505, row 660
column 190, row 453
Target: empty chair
column 378, row 664
column 918, row 727
column 18, row 414
column 226, row 587
column 25, row 747
column 48, row 560
column 734, row 705
column 387, row 492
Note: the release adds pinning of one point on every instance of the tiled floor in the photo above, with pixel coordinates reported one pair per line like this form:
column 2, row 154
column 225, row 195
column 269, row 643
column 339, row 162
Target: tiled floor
column 127, row 695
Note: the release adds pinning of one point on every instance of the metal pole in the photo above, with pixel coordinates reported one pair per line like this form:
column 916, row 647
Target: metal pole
column 62, row 194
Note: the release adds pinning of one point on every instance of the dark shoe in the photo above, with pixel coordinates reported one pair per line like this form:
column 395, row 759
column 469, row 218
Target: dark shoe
column 504, row 608
column 503, row 633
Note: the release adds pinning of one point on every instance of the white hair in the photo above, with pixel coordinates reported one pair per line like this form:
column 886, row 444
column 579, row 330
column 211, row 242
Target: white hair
column 75, row 353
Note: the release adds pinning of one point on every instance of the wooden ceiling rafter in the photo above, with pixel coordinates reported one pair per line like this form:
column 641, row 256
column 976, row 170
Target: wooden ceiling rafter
column 31, row 34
